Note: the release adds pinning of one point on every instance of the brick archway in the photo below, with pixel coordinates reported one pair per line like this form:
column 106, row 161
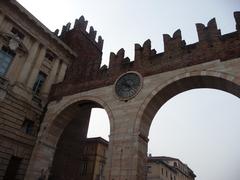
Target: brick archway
column 180, row 83
column 75, row 110
column 213, row 62
column 172, row 87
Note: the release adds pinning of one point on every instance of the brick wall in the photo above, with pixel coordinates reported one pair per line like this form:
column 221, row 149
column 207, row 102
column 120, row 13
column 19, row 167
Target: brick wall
column 211, row 46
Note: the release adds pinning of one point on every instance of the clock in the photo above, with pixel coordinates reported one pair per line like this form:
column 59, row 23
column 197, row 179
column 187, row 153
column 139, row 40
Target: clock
column 128, row 85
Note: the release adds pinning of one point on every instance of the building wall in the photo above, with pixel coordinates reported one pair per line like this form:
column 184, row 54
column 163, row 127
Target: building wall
column 159, row 168
column 159, row 171
column 101, row 159
column 129, row 122
column 82, row 160
column 19, row 105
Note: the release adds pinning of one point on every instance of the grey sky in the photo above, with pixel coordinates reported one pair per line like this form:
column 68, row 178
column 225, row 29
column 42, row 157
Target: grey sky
column 200, row 126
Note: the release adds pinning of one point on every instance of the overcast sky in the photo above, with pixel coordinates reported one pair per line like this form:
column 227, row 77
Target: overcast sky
column 200, row 127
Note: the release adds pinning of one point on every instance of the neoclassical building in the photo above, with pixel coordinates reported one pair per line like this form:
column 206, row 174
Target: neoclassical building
column 32, row 58
column 168, row 168
column 50, row 81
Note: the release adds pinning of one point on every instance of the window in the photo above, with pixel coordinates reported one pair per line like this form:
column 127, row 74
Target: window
column 17, row 33
column 49, row 56
column 83, row 168
column 12, row 168
column 27, row 126
column 6, row 57
column 39, row 82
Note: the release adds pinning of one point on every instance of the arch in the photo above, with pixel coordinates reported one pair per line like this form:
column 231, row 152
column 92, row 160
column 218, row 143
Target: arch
column 183, row 82
column 67, row 102
column 59, row 115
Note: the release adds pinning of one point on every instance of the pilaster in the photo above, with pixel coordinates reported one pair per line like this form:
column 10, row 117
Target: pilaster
column 28, row 64
column 36, row 68
column 50, row 78
column 61, row 73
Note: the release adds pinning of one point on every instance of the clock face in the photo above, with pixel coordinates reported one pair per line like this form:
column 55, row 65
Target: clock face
column 128, row 85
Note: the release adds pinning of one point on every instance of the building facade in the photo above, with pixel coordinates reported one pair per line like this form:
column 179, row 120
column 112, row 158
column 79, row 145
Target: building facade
column 31, row 59
column 86, row 161
column 168, row 168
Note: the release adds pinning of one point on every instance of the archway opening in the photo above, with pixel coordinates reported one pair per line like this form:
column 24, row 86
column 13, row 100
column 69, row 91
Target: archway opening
column 77, row 156
column 163, row 94
column 200, row 128
column 99, row 124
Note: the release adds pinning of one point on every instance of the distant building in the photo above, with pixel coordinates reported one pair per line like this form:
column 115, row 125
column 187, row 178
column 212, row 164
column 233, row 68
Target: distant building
column 168, row 168
column 85, row 162
column 91, row 155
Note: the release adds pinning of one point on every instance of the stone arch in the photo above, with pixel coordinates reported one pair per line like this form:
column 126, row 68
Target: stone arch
column 57, row 107
column 180, row 83
column 59, row 115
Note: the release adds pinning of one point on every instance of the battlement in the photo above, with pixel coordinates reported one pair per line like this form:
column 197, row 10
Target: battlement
column 177, row 54
column 80, row 26
column 237, row 19
column 174, row 46
column 175, row 42
column 209, row 32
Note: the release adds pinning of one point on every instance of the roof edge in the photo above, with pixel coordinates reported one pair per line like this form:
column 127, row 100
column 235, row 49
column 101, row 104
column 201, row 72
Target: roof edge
column 41, row 25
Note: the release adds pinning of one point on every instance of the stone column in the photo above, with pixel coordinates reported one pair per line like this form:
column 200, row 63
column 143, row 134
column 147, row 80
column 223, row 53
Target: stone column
column 35, row 70
column 127, row 157
column 28, row 63
column 50, row 78
column 61, row 73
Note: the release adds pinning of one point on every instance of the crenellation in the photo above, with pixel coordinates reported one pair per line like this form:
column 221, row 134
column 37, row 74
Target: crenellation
column 208, row 33
column 92, row 33
column 119, row 63
column 126, row 60
column 137, row 47
column 120, row 54
column 177, row 34
column 81, row 24
column 68, row 26
column 137, row 54
column 146, row 48
column 104, row 68
column 153, row 52
column 237, row 19
column 116, row 59
column 143, row 54
column 65, row 29
column 80, row 29
column 112, row 60
column 56, row 32
column 174, row 43
column 100, row 42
